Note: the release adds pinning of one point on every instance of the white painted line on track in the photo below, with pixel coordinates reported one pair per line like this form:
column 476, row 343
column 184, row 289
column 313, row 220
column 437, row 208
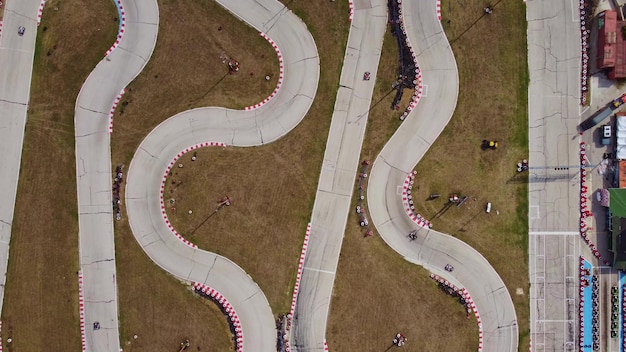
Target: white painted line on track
column 575, row 11
column 320, row 270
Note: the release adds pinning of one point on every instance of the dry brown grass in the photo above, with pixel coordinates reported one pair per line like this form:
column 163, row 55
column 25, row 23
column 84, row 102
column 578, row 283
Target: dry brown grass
column 191, row 78
column 154, row 305
column 264, row 229
column 186, row 70
column 492, row 104
column 492, row 60
column 40, row 311
column 393, row 295
column 259, row 220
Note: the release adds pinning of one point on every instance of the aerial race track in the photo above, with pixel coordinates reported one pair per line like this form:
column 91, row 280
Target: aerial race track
column 260, row 124
column 498, row 330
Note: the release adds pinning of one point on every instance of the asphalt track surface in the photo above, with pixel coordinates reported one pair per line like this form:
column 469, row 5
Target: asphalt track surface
column 236, row 128
column 336, row 182
column 554, row 58
column 251, row 128
column 93, row 171
column 433, row 250
column 16, row 56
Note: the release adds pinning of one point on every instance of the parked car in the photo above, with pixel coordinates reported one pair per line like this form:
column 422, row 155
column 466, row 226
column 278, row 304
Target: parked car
column 607, row 132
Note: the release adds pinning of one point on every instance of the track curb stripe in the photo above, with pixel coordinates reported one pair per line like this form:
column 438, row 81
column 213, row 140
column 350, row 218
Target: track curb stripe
column 164, row 181
column 280, row 75
column 227, row 309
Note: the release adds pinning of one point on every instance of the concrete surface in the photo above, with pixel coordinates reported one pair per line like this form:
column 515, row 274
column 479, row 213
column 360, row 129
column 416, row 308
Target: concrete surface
column 433, row 250
column 553, row 105
column 337, row 177
column 16, row 68
column 94, row 175
column 235, row 128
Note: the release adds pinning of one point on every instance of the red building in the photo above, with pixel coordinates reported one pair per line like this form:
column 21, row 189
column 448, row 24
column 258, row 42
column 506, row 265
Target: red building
column 611, row 45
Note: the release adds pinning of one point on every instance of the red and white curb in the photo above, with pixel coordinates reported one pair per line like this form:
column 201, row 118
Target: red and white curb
column 81, row 307
column 40, row 11
column 351, row 4
column 441, row 280
column 164, row 180
column 407, row 201
column 585, row 210
column 233, row 319
column 0, row 29
column 472, row 305
column 113, row 107
column 325, row 346
column 280, row 74
column 296, row 287
column 0, row 336
column 120, row 34
column 419, row 87
column 439, row 10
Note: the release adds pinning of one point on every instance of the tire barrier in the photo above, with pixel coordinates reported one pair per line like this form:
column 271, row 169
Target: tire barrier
column 280, row 74
column 585, row 30
column 615, row 311
column 40, row 11
column 439, row 10
column 417, row 82
column 117, row 185
column 472, row 305
column 81, row 310
column 120, row 32
column 360, row 208
column 228, row 310
column 585, row 212
column 588, row 281
column 623, row 305
column 585, row 277
column 351, row 5
column 407, row 201
column 465, row 299
column 113, row 107
column 164, row 180
column 449, row 285
column 595, row 314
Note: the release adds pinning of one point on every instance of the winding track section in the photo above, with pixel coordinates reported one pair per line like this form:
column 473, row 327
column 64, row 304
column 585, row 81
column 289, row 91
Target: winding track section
column 235, row 128
column 433, row 250
column 258, row 127
column 93, row 172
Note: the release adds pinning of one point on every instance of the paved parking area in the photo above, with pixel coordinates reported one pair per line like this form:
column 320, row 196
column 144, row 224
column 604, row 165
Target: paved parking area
column 554, row 290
